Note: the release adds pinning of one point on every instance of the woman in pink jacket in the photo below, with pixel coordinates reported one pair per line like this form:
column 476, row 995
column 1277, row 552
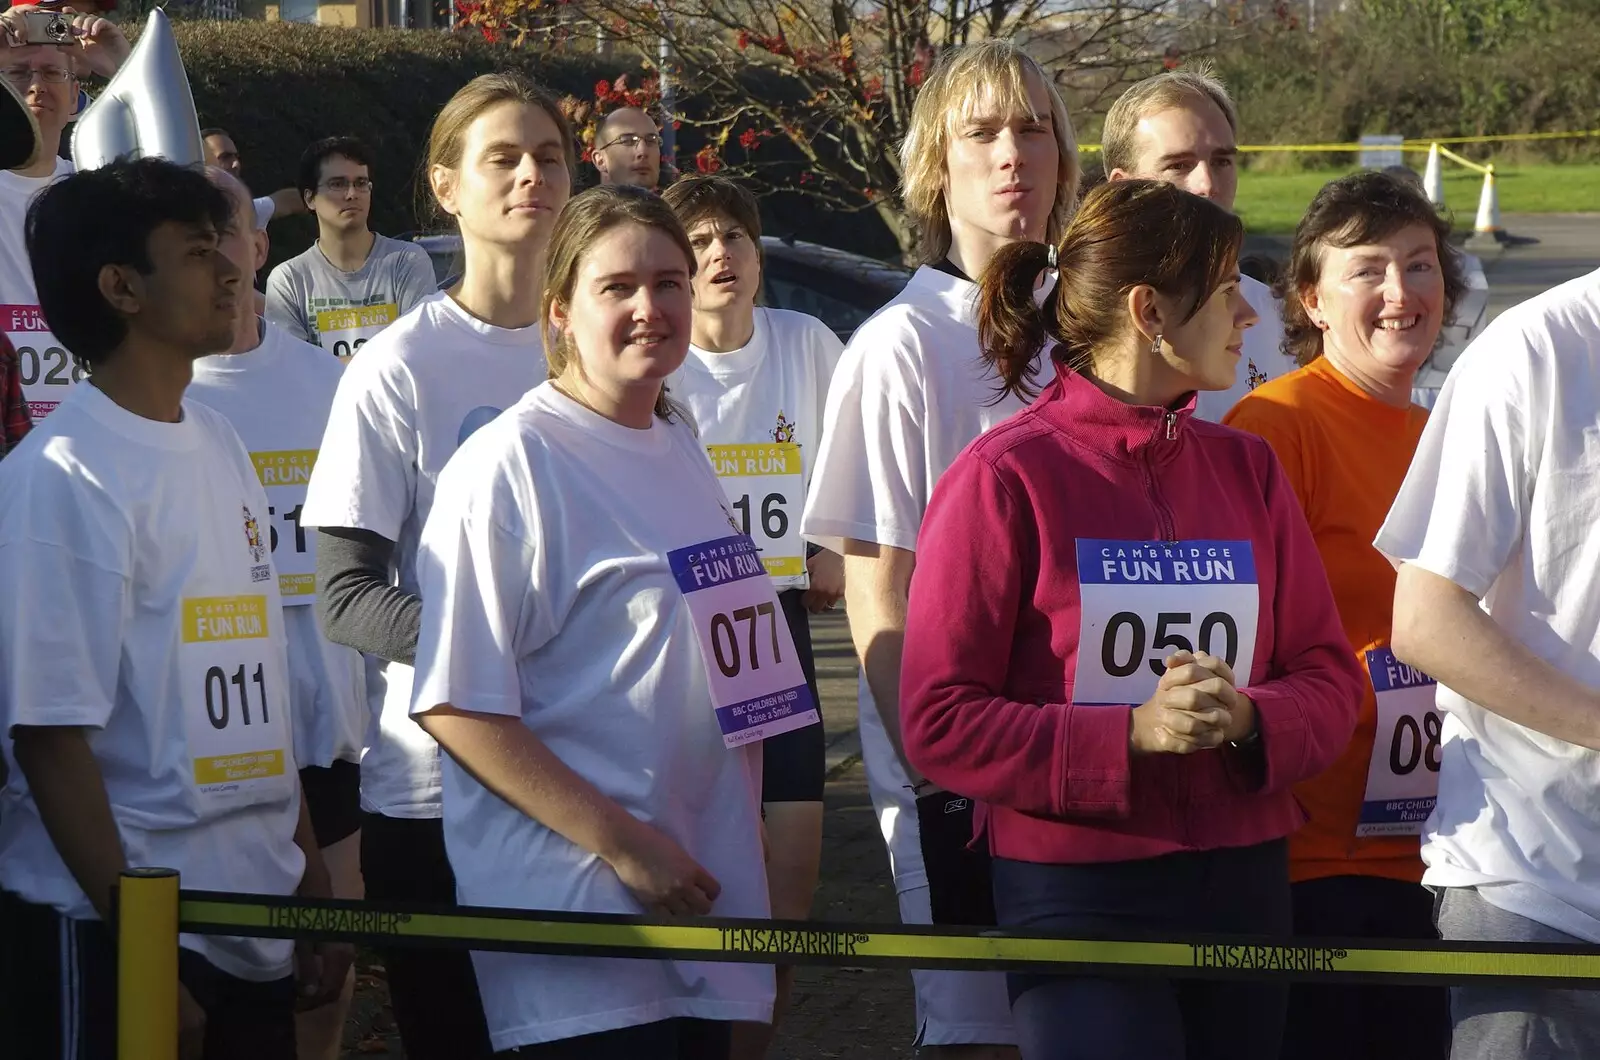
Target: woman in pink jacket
column 1121, row 641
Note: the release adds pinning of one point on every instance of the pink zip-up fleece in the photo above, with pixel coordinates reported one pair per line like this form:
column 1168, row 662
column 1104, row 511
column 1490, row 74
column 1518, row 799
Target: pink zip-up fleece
column 992, row 647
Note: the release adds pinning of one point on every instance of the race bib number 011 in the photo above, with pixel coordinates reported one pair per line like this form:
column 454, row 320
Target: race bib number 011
column 45, row 368
column 1403, row 775
column 765, row 484
column 757, row 686
column 285, row 473
column 235, row 699
column 1143, row 600
column 344, row 331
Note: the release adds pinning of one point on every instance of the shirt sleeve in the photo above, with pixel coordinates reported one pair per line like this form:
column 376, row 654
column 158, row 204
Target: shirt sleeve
column 1463, row 506
column 366, row 473
column 416, row 278
column 63, row 549
column 285, row 307
column 975, row 558
column 870, row 482
column 479, row 579
column 15, row 423
column 1274, row 423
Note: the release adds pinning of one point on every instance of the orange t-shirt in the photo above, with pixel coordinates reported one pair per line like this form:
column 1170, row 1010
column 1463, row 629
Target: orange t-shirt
column 1346, row 454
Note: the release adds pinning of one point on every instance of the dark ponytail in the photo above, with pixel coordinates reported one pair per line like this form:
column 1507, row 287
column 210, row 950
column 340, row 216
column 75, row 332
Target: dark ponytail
column 1011, row 326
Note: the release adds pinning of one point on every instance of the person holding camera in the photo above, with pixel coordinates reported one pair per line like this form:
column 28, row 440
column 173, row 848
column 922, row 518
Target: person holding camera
column 45, row 53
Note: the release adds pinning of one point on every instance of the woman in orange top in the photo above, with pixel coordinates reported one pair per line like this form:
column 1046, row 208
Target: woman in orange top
column 1371, row 281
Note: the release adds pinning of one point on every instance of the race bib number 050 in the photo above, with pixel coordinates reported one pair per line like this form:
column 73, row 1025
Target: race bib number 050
column 285, row 474
column 235, row 699
column 765, row 484
column 1403, row 774
column 1143, row 600
column 757, row 686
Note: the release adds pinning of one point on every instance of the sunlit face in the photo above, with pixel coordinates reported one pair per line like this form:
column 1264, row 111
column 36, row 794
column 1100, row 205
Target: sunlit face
column 241, row 243
column 343, row 199
column 43, row 76
column 1191, row 146
column 1001, row 170
column 513, row 178
column 727, row 264
column 630, row 313
column 1206, row 348
column 629, row 150
column 1380, row 306
column 222, row 153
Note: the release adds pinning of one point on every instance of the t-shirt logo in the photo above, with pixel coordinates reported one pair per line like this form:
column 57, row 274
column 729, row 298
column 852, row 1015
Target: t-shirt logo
column 473, row 421
column 784, row 431
column 1257, row 376
column 252, row 537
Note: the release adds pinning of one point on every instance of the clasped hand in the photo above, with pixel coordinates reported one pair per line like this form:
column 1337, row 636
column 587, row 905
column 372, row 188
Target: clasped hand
column 1196, row 707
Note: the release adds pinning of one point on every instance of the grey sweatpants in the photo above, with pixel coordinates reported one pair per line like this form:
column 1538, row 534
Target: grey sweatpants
column 1512, row 1021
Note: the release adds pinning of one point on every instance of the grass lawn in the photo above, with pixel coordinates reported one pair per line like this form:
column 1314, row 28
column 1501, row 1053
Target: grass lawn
column 1272, row 203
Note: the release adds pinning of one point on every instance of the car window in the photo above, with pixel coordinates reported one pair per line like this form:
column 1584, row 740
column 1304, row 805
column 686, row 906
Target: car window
column 841, row 315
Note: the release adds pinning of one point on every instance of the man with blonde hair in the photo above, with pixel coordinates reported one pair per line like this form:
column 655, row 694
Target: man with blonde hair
column 1182, row 127
column 990, row 160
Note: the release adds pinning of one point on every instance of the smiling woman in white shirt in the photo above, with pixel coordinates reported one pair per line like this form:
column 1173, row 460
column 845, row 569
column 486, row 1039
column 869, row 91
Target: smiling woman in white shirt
column 601, row 650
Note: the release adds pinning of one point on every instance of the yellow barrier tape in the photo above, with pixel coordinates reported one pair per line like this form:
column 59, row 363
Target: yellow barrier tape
column 864, row 944
column 1406, row 145
column 1445, row 152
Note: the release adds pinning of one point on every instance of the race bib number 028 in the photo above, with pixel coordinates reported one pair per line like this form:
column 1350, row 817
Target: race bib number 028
column 235, row 699
column 765, row 484
column 1143, row 600
column 1403, row 774
column 285, row 474
column 757, row 686
column 45, row 368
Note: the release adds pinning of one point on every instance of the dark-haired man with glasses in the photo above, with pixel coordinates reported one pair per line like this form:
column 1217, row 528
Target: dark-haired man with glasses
column 627, row 149
column 352, row 283
column 46, row 77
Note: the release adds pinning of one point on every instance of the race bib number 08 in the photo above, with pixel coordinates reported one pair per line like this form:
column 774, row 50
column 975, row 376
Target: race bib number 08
column 1403, row 773
column 757, row 686
column 285, row 474
column 235, row 699
column 1141, row 601
column 765, row 484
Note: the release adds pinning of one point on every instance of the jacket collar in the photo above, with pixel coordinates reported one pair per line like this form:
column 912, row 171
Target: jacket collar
column 1078, row 408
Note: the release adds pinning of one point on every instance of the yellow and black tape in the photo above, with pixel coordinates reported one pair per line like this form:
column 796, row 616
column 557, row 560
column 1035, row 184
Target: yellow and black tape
column 1419, row 144
column 876, row 945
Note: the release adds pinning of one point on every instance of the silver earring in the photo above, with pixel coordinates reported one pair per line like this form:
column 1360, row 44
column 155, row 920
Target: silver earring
column 1155, row 346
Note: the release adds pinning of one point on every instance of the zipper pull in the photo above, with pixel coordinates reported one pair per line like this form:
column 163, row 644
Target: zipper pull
column 1172, row 426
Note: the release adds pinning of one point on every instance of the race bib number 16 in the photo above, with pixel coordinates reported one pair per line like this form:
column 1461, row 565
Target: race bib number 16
column 757, row 686
column 1143, row 600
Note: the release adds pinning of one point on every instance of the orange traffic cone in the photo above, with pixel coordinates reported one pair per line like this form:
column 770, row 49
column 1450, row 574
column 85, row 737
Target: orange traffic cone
column 1486, row 231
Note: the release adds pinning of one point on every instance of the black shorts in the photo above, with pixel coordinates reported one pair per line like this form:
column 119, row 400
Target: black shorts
column 58, row 993
column 960, row 885
column 333, row 794
column 793, row 766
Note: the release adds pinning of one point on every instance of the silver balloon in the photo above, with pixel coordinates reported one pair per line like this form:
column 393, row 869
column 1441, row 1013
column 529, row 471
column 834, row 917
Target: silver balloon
column 146, row 110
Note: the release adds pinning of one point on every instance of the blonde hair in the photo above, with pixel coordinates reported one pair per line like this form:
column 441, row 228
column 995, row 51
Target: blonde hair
column 987, row 73
column 448, row 138
column 1153, row 95
column 582, row 222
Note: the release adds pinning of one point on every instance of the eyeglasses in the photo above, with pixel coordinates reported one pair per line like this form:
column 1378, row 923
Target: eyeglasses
column 632, row 140
column 22, row 76
column 340, row 185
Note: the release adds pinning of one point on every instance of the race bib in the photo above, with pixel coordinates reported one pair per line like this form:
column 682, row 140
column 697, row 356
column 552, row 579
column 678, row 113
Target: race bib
column 1143, row 600
column 235, row 700
column 1403, row 776
column 344, row 331
column 285, row 474
column 757, row 686
column 765, row 484
column 46, row 369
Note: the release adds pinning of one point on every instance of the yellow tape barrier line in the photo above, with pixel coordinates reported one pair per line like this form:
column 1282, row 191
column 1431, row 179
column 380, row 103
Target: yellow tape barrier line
column 1445, row 152
column 1407, row 145
column 855, row 945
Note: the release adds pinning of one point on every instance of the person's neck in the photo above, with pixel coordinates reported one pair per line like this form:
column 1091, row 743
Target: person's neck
column 725, row 330
column 631, row 406
column 971, row 250
column 499, row 288
column 44, row 165
column 146, row 378
column 247, row 329
column 346, row 249
column 1133, row 377
column 1392, row 386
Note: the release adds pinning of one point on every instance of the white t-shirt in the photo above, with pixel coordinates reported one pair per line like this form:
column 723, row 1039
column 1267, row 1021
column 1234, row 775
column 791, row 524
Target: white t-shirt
column 47, row 369
column 910, row 393
column 549, row 596
column 759, row 410
column 264, row 208
column 1502, row 498
column 403, row 407
column 277, row 397
column 1263, row 357
column 138, row 599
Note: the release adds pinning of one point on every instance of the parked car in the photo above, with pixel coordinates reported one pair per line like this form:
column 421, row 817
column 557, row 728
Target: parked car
column 837, row 287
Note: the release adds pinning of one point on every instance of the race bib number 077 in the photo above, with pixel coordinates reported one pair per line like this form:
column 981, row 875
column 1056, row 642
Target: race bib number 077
column 1143, row 600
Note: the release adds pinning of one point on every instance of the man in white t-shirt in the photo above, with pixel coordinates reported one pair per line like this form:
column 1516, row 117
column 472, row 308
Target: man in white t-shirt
column 143, row 681
column 223, row 153
column 1498, row 597
column 351, row 283
column 985, row 166
column 1182, row 127
column 47, row 76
